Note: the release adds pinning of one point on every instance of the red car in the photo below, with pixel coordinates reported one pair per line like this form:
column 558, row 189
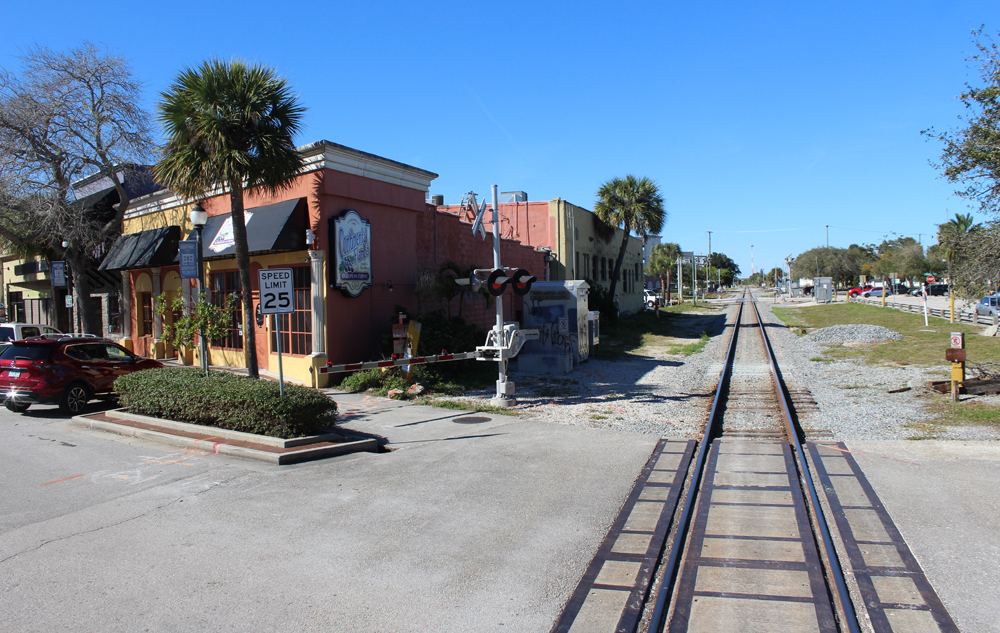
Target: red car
column 66, row 371
column 853, row 292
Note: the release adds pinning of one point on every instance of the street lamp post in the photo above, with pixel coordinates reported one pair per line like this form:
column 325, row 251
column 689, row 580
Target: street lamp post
column 198, row 218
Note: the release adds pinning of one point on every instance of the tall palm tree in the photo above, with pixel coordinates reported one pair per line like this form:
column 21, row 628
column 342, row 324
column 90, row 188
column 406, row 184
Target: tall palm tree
column 661, row 263
column 230, row 125
column 634, row 205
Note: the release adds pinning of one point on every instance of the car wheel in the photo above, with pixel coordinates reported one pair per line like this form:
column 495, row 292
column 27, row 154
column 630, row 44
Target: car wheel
column 17, row 407
column 75, row 398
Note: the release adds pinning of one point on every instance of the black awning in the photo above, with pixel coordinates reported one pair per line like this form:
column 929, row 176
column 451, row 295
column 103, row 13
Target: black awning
column 272, row 227
column 157, row 247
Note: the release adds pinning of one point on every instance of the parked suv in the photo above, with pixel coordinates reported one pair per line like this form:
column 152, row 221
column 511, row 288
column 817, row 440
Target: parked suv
column 67, row 371
column 649, row 299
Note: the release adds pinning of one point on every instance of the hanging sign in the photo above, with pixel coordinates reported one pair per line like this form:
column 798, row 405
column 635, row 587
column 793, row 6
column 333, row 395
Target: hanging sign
column 187, row 252
column 58, row 274
column 352, row 261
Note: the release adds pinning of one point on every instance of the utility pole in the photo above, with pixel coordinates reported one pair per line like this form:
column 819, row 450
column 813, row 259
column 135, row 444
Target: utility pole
column 709, row 246
column 828, row 236
column 752, row 271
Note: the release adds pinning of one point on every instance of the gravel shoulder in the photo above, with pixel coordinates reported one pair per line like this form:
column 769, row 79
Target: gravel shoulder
column 667, row 395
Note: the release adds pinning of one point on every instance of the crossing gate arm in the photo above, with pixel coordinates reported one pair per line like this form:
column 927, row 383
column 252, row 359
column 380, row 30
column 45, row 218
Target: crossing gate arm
column 399, row 362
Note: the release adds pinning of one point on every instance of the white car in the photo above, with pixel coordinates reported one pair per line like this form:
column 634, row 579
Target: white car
column 20, row 331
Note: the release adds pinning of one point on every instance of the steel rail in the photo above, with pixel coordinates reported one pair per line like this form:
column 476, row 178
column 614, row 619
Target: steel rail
column 836, row 571
column 673, row 563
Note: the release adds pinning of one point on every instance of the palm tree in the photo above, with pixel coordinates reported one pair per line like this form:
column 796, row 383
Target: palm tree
column 230, row 125
column 633, row 204
column 661, row 264
column 951, row 233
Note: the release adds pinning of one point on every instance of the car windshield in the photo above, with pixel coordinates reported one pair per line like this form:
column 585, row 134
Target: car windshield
column 26, row 351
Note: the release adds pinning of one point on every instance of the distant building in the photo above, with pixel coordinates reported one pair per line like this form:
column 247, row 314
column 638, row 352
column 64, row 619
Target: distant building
column 578, row 244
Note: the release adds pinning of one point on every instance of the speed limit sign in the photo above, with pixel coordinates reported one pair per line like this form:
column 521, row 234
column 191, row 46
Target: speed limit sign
column 276, row 293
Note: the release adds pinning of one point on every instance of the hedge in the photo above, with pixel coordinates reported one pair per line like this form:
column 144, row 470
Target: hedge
column 226, row 401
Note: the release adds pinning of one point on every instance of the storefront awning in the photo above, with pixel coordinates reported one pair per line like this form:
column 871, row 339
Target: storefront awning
column 156, row 247
column 272, row 227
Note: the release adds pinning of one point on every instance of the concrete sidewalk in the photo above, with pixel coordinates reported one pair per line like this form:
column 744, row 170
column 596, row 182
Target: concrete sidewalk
column 944, row 497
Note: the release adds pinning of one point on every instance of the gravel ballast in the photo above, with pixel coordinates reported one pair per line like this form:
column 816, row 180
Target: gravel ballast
column 670, row 396
column 856, row 333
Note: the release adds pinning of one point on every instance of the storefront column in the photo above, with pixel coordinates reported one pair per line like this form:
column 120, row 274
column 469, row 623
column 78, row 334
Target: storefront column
column 159, row 349
column 318, row 356
column 125, row 309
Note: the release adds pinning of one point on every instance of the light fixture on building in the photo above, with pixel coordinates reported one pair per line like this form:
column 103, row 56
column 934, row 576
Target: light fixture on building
column 65, row 243
column 388, row 285
column 310, row 236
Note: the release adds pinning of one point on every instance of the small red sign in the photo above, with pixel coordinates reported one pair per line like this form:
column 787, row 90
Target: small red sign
column 930, row 279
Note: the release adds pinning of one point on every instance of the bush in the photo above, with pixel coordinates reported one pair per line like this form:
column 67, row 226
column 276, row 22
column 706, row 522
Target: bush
column 600, row 299
column 226, row 401
column 378, row 380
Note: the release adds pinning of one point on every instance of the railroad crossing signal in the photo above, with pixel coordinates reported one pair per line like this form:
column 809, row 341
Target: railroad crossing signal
column 498, row 280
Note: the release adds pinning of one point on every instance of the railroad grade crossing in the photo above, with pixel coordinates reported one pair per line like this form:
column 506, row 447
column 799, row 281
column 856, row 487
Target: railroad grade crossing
column 729, row 534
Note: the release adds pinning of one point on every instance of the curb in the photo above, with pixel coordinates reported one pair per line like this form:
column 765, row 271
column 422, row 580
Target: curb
column 223, row 448
column 239, row 436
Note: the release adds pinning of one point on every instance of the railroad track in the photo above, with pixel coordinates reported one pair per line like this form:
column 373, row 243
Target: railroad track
column 729, row 534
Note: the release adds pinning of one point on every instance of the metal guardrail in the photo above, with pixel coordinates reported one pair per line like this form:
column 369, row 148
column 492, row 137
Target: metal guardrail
column 961, row 316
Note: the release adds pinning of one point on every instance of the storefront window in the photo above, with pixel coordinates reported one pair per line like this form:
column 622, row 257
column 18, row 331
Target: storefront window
column 224, row 284
column 296, row 328
column 146, row 303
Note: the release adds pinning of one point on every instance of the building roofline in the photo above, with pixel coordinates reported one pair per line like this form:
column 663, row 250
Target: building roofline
column 316, row 156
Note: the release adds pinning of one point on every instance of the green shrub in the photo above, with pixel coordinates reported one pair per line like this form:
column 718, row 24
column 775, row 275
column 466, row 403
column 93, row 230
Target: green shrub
column 600, row 299
column 226, row 401
column 376, row 380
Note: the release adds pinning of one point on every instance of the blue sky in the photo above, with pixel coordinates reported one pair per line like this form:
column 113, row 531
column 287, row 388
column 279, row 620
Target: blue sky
column 754, row 118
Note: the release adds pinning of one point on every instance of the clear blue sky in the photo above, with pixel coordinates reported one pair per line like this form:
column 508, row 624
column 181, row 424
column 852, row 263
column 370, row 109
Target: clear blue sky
column 752, row 117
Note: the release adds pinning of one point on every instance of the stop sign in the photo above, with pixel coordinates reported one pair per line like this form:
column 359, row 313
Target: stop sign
column 930, row 279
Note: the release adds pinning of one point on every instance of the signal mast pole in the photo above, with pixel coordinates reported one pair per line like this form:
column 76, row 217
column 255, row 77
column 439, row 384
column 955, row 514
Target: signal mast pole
column 501, row 399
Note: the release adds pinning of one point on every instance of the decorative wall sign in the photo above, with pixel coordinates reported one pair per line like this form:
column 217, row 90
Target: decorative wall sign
column 352, row 260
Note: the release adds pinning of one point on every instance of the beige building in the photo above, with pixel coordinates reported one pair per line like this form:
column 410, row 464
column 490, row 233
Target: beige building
column 580, row 246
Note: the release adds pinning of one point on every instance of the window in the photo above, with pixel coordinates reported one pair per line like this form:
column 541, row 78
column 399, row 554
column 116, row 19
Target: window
column 146, row 303
column 116, row 354
column 30, row 331
column 593, row 268
column 296, row 328
column 604, row 268
column 224, row 284
column 86, row 352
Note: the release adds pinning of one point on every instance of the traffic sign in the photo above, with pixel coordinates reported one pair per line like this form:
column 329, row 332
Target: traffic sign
column 957, row 340
column 276, row 293
column 930, row 279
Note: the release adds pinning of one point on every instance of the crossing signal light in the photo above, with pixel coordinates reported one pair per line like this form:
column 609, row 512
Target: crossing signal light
column 497, row 282
column 522, row 281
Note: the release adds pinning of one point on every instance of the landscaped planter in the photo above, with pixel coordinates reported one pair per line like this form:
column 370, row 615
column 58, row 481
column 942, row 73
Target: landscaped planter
column 214, row 440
